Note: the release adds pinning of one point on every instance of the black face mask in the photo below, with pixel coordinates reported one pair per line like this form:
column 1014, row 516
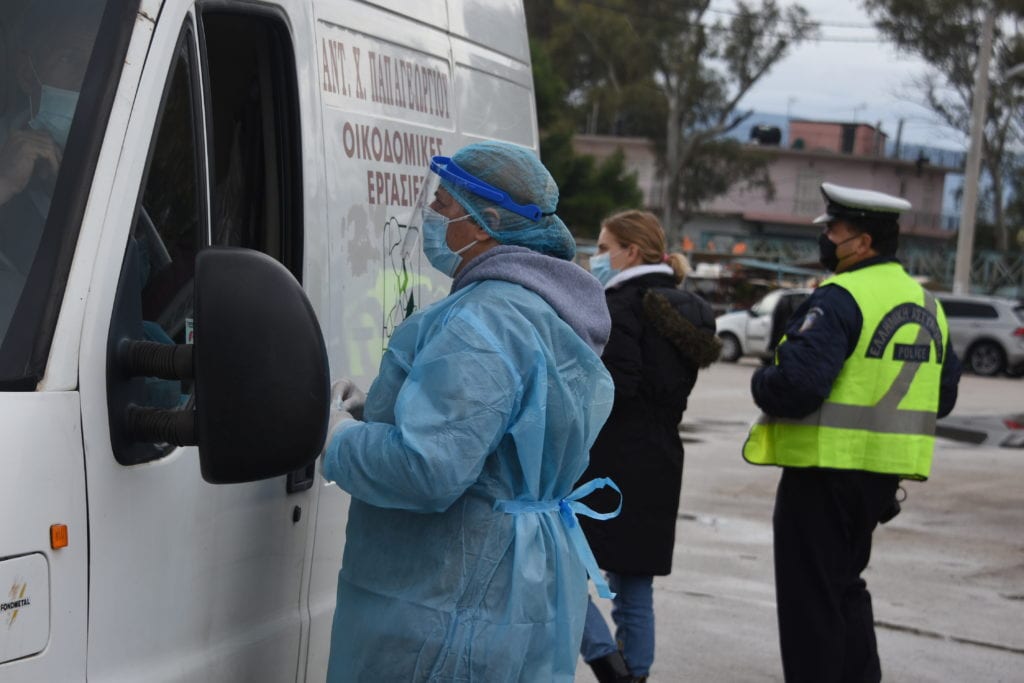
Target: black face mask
column 827, row 251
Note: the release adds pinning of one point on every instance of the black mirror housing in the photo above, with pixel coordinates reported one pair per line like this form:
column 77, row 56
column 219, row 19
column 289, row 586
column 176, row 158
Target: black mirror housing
column 258, row 367
column 262, row 381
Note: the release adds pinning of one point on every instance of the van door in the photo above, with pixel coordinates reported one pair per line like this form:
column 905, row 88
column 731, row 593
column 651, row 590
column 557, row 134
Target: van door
column 188, row 580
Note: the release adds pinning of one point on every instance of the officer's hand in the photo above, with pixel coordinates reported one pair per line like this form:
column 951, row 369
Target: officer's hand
column 23, row 152
column 346, row 396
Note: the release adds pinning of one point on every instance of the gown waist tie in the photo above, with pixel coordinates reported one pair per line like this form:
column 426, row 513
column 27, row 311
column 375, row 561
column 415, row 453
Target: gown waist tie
column 568, row 508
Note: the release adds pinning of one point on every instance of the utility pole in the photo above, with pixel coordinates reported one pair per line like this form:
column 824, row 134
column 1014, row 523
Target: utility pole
column 972, row 170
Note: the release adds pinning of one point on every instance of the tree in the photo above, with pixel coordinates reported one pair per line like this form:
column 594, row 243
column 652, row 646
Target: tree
column 588, row 190
column 1015, row 206
column 664, row 70
column 946, row 34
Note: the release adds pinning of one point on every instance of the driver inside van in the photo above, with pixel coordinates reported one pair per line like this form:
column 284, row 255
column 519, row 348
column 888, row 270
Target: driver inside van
column 54, row 41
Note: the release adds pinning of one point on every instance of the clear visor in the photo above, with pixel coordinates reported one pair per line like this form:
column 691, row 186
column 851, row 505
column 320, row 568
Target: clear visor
column 446, row 168
column 428, row 187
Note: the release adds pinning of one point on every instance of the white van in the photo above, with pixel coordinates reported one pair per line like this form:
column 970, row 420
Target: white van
column 296, row 128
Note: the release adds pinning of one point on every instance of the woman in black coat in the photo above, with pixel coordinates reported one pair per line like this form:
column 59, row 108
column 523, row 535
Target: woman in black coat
column 661, row 336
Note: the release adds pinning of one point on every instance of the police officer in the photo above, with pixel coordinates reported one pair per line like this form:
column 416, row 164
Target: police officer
column 849, row 408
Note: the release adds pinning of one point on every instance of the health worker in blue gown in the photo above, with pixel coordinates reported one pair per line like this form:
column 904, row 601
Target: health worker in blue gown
column 464, row 560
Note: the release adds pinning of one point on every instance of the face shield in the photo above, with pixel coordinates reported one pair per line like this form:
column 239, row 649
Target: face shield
column 428, row 188
column 428, row 185
column 444, row 168
column 492, row 208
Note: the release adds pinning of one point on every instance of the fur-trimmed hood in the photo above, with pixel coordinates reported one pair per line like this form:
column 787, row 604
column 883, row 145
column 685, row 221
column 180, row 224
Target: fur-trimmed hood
column 687, row 321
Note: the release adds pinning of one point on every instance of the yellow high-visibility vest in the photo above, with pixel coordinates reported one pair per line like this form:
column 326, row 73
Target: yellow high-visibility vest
column 880, row 415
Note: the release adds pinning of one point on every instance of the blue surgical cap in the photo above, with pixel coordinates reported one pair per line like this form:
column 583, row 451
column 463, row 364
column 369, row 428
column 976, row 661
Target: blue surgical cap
column 518, row 172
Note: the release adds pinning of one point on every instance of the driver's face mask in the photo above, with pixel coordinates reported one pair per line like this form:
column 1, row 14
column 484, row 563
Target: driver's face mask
column 56, row 110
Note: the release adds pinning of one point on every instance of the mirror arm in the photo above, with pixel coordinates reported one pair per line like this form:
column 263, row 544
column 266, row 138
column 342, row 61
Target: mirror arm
column 160, row 425
column 153, row 359
column 143, row 424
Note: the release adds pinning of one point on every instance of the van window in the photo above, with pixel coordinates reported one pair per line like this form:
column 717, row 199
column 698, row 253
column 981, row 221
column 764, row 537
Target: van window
column 170, row 226
column 254, row 159
column 256, row 151
column 250, row 173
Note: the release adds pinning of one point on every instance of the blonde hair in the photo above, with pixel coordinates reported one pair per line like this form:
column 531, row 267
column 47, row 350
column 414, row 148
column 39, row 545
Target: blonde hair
column 643, row 229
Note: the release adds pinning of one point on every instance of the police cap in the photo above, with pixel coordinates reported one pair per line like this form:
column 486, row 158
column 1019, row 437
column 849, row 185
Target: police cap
column 860, row 206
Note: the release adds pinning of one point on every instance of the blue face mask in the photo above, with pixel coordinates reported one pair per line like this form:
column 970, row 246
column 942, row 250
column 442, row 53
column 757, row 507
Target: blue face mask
column 56, row 110
column 601, row 267
column 435, row 243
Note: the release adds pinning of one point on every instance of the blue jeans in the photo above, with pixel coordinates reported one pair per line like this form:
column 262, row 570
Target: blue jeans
column 633, row 614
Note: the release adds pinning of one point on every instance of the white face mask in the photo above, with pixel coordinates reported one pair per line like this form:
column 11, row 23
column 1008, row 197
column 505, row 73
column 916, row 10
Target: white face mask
column 435, row 242
column 56, row 110
column 601, row 266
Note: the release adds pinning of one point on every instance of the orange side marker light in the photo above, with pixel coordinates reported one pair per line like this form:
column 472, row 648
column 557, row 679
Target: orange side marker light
column 58, row 536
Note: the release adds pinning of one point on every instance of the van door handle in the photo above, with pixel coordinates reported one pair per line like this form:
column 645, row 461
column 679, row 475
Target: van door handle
column 301, row 479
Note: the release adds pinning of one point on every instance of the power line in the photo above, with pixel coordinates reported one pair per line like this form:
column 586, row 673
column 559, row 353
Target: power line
column 847, row 39
column 809, row 22
column 813, row 23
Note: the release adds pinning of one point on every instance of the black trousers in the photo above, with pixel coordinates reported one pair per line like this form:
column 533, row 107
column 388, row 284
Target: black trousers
column 823, row 523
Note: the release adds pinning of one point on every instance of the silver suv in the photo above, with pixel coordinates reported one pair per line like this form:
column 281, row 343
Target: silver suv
column 987, row 332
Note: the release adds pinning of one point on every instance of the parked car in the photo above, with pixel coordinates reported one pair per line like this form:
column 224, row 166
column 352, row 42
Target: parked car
column 748, row 333
column 987, row 332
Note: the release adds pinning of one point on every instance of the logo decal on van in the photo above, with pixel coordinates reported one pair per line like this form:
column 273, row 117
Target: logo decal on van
column 17, row 600
column 384, row 76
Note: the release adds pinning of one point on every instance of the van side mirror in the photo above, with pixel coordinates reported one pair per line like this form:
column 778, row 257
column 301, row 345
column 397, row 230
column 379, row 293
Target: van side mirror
column 258, row 364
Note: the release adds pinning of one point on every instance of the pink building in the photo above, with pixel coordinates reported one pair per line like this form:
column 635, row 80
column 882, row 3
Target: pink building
column 858, row 139
column 797, row 175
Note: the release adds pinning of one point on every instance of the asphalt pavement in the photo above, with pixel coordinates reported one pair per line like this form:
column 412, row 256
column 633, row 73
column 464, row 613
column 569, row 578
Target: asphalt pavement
column 946, row 575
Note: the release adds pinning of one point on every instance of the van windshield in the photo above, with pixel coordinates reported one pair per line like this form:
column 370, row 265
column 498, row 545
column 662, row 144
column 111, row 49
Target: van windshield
column 46, row 131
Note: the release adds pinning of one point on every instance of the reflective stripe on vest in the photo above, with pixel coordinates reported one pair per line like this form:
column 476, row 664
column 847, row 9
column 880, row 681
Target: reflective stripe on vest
column 853, row 429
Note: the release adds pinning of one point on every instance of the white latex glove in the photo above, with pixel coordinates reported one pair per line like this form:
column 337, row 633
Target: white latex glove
column 346, row 406
column 346, row 396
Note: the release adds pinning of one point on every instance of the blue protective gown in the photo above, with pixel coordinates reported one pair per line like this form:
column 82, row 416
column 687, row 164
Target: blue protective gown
column 486, row 396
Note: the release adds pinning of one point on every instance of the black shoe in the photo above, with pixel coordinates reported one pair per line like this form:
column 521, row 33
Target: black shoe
column 611, row 669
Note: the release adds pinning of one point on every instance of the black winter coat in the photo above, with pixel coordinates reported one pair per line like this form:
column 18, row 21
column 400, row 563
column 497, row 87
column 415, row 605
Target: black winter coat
column 660, row 337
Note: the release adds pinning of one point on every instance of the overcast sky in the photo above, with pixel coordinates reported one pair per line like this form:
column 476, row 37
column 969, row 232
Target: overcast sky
column 848, row 81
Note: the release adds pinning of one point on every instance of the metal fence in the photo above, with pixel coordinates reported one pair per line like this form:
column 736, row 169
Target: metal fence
column 992, row 272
